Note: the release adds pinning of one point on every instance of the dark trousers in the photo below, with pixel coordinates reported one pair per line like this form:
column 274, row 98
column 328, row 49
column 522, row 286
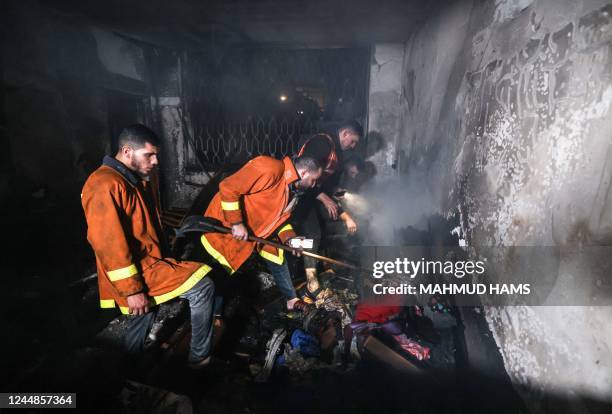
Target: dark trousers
column 200, row 298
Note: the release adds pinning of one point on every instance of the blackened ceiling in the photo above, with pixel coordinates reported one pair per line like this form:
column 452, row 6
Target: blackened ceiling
column 307, row 23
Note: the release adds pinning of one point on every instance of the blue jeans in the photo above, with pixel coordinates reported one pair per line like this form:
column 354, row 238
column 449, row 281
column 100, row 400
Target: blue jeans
column 282, row 278
column 200, row 299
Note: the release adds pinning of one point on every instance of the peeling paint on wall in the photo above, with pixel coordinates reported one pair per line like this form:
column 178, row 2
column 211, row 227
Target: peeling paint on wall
column 517, row 128
column 531, row 116
column 508, row 9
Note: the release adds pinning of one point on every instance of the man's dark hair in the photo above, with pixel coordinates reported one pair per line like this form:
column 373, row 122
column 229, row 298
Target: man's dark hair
column 353, row 126
column 308, row 163
column 136, row 136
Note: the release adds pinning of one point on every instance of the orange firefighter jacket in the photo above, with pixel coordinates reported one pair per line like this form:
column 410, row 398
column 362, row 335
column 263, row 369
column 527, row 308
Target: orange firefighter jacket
column 124, row 229
column 257, row 195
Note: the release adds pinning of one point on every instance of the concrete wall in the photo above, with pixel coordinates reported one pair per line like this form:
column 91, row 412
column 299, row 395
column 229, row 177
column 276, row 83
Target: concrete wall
column 180, row 185
column 505, row 105
column 384, row 108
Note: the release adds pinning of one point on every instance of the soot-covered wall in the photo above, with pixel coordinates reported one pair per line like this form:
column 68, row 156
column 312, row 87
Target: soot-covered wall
column 67, row 88
column 505, row 105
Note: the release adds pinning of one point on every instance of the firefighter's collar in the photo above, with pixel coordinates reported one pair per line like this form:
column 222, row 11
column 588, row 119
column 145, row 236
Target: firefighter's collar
column 121, row 169
column 291, row 174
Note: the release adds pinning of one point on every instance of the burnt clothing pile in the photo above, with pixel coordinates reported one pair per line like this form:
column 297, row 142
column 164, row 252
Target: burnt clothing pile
column 340, row 334
column 423, row 335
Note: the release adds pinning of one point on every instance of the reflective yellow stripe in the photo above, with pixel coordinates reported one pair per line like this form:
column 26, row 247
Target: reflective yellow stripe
column 230, row 205
column 274, row 259
column 187, row 284
column 110, row 304
column 123, row 273
column 216, row 255
column 285, row 228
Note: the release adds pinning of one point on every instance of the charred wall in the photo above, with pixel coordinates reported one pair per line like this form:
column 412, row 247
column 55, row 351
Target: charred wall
column 506, row 107
column 67, row 88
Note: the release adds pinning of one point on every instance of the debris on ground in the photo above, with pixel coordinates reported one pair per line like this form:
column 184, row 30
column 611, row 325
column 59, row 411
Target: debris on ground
column 273, row 347
column 168, row 317
column 413, row 347
column 137, row 397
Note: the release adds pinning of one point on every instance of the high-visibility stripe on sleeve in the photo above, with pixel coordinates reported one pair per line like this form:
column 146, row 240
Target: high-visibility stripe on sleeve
column 187, row 284
column 285, row 228
column 230, row 205
column 156, row 300
column 123, row 273
column 273, row 258
column 110, row 304
column 216, row 255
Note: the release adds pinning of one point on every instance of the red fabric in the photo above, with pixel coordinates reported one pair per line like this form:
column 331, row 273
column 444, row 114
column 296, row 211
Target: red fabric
column 375, row 314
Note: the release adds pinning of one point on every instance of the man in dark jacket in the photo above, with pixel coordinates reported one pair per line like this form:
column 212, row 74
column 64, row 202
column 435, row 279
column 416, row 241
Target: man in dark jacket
column 328, row 149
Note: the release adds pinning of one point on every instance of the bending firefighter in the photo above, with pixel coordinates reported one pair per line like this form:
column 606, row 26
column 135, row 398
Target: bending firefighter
column 258, row 199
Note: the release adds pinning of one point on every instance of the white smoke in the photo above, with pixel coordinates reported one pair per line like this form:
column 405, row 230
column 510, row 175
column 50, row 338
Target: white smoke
column 392, row 203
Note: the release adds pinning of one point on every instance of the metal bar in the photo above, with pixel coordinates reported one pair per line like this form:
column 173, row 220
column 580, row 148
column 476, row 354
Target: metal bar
column 222, row 229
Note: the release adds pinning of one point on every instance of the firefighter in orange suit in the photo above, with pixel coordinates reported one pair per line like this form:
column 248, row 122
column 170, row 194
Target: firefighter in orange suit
column 259, row 199
column 124, row 228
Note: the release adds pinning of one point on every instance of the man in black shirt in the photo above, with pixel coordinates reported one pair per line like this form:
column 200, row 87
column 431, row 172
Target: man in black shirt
column 327, row 148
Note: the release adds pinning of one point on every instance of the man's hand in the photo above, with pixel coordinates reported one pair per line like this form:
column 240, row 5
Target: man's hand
column 138, row 304
column 330, row 205
column 351, row 225
column 294, row 250
column 240, row 232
